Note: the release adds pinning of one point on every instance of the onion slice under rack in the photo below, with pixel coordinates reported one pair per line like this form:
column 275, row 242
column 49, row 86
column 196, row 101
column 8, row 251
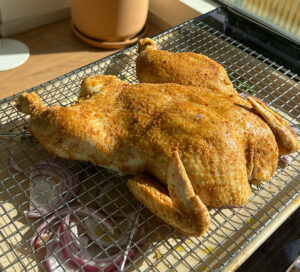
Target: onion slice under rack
column 79, row 247
column 55, row 259
column 52, row 184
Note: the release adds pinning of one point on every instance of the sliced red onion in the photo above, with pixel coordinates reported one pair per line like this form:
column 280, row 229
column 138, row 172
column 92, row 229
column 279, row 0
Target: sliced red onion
column 51, row 186
column 80, row 256
column 284, row 161
column 101, row 202
column 14, row 165
column 74, row 246
column 120, row 233
column 45, row 226
column 180, row 235
column 55, row 259
column 60, row 216
column 80, row 240
column 92, row 228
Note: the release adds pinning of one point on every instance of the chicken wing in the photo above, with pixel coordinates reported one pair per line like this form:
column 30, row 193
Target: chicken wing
column 186, row 68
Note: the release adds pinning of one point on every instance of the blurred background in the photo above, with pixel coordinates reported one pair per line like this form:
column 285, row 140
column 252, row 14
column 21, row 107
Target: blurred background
column 46, row 31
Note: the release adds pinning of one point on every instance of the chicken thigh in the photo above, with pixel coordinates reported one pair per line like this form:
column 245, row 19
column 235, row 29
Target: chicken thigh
column 186, row 146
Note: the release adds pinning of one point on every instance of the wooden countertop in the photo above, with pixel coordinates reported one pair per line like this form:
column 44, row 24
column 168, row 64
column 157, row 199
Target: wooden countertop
column 54, row 50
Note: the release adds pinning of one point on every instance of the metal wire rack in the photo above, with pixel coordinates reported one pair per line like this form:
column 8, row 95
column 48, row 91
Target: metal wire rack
column 234, row 233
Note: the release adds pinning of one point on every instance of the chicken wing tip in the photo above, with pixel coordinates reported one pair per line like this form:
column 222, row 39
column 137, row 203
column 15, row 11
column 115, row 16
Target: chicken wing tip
column 29, row 103
column 286, row 138
column 146, row 44
column 94, row 84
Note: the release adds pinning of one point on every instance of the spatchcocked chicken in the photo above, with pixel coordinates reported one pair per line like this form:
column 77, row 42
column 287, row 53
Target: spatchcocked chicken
column 187, row 147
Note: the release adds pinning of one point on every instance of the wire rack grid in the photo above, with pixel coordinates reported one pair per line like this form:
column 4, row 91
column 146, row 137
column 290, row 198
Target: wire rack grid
column 232, row 230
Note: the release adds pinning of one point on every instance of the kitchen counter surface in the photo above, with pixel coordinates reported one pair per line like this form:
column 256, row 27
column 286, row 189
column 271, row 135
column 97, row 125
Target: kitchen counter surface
column 54, row 50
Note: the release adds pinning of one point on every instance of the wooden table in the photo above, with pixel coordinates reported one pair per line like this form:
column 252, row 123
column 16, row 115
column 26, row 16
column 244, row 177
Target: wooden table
column 54, row 50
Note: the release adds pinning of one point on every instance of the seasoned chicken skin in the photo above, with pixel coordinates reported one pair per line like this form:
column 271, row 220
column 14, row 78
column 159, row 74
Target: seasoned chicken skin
column 186, row 68
column 186, row 146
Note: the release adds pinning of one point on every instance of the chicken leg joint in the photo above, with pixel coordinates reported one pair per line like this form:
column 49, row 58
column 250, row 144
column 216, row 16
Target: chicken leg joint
column 179, row 207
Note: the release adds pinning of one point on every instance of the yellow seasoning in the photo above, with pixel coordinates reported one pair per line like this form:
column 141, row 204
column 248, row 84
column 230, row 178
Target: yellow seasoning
column 208, row 250
column 250, row 221
column 99, row 232
column 189, row 241
column 157, row 254
column 57, row 178
column 203, row 268
column 179, row 248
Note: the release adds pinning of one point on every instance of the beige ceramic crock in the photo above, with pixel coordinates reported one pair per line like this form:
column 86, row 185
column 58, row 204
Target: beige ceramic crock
column 109, row 20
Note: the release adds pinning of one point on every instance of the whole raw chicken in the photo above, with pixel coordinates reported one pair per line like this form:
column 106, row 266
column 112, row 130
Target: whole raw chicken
column 186, row 146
